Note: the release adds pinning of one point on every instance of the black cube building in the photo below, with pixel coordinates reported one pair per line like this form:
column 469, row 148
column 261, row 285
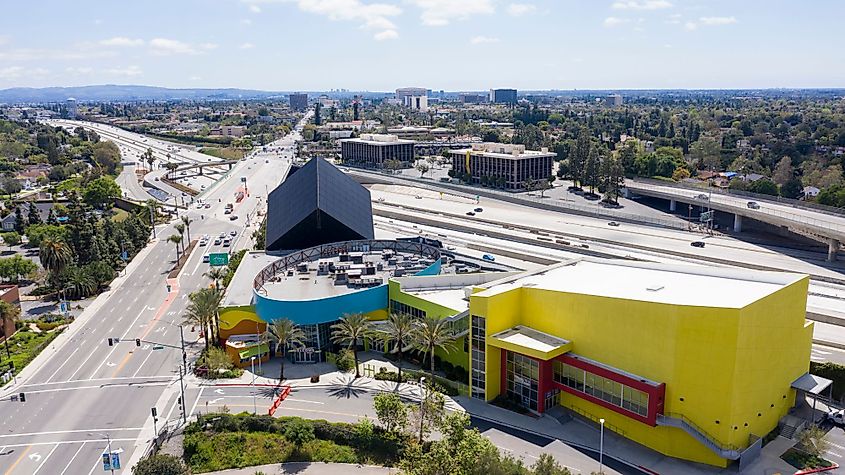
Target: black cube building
column 317, row 205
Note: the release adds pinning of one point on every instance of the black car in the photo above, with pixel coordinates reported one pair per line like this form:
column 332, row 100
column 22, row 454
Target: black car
column 470, row 213
column 697, row 244
column 233, row 217
column 478, row 210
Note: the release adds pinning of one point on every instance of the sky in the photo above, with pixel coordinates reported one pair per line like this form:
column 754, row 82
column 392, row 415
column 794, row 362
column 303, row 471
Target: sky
column 454, row 45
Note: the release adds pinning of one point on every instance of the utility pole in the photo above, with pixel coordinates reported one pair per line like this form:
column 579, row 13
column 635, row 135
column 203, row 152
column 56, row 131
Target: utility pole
column 184, row 403
column 184, row 356
column 153, row 220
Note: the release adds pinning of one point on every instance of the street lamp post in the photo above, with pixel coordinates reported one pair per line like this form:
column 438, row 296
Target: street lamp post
column 108, row 447
column 252, row 367
column 422, row 406
column 601, row 447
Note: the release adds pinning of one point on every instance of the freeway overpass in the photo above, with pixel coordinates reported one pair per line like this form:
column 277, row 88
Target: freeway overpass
column 820, row 224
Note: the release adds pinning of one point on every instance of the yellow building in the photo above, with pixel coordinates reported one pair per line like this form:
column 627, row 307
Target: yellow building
column 694, row 362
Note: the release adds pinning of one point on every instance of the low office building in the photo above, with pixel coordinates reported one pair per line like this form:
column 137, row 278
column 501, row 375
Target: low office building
column 697, row 375
column 372, row 150
column 507, row 166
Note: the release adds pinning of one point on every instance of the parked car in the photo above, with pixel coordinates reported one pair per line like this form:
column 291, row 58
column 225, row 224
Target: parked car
column 837, row 417
column 703, row 197
column 753, row 205
column 488, row 257
column 697, row 244
column 478, row 210
column 470, row 213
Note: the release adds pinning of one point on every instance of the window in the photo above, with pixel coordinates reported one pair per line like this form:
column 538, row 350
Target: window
column 477, row 362
column 399, row 307
column 608, row 390
column 523, row 374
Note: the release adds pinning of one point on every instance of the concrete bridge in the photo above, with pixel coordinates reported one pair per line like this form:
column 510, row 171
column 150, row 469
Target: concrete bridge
column 824, row 225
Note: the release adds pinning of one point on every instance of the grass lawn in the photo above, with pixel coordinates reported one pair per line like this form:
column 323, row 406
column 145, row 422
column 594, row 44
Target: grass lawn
column 25, row 346
column 226, row 153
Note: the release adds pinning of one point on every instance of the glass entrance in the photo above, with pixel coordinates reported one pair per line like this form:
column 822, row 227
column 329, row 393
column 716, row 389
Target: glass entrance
column 523, row 374
column 305, row 355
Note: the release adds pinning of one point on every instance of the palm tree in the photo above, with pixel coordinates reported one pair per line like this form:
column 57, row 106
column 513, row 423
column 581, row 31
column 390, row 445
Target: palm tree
column 78, row 283
column 180, row 228
column 399, row 330
column 217, row 274
column 432, row 334
column 55, row 255
column 150, row 157
column 176, row 239
column 348, row 331
column 202, row 310
column 171, row 167
column 286, row 333
column 9, row 314
column 187, row 222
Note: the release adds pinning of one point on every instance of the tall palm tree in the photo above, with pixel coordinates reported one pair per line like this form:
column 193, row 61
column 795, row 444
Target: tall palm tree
column 286, row 333
column 348, row 331
column 187, row 222
column 399, row 330
column 432, row 334
column 180, row 228
column 55, row 255
column 176, row 239
column 202, row 311
column 217, row 274
column 9, row 314
column 150, row 158
column 78, row 283
column 171, row 167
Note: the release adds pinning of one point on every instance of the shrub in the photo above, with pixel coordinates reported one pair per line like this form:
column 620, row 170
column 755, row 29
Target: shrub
column 160, row 464
column 346, row 361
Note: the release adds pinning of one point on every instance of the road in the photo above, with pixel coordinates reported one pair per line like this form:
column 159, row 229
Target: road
column 80, row 390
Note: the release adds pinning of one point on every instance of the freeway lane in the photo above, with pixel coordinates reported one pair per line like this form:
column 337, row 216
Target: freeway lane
column 80, row 389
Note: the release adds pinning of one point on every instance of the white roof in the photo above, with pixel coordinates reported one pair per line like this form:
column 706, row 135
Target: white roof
column 527, row 337
column 647, row 282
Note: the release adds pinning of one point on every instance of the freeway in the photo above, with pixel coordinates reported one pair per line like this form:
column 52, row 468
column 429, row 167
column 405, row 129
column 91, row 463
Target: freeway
column 81, row 391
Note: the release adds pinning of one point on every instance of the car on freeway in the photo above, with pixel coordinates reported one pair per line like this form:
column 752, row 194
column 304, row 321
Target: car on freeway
column 450, row 248
column 203, row 242
column 488, row 257
column 233, row 233
column 222, row 235
column 836, row 416
column 199, row 205
column 206, row 258
column 702, row 197
column 228, row 211
column 418, row 197
column 613, row 223
column 233, row 217
column 697, row 244
column 478, row 210
column 753, row 205
column 470, row 213
column 207, row 205
column 227, row 242
column 217, row 241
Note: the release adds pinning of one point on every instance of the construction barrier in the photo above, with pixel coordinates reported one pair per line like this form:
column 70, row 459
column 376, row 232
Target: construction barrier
column 281, row 397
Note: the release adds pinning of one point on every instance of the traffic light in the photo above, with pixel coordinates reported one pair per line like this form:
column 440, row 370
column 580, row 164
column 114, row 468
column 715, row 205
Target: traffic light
column 178, row 401
column 111, row 342
column 22, row 397
column 137, row 342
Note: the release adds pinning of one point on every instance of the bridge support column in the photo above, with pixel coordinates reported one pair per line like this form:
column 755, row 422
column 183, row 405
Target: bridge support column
column 200, row 171
column 737, row 223
column 832, row 249
column 672, row 205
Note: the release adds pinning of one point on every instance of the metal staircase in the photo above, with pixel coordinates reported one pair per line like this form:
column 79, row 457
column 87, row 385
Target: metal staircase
column 729, row 452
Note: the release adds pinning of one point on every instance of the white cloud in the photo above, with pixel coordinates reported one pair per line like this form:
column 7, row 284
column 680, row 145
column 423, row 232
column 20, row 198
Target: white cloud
column 479, row 40
column 690, row 26
column 128, row 71
column 254, row 8
column 122, row 41
column 519, row 9
column 441, row 12
column 612, row 21
column 246, row 21
column 166, row 47
column 386, row 35
column 78, row 70
column 717, row 20
column 641, row 5
column 11, row 72
column 247, row 46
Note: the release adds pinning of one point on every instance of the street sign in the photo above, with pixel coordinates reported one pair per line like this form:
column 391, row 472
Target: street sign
column 63, row 307
column 706, row 217
column 106, row 463
column 124, row 255
column 115, row 461
column 218, row 258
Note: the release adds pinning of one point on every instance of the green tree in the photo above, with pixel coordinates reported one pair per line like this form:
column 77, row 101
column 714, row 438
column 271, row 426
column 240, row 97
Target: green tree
column 613, row 179
column 592, row 166
column 11, row 239
column 106, row 156
column 813, row 441
column 175, row 239
column 160, row 464
column 202, row 310
column 793, row 188
column 186, row 221
column 100, row 271
column 547, row 465
column 299, row 432
column 101, row 192
column 399, row 331
column 764, row 186
column 706, row 153
column 461, row 451
column 77, row 283
column 433, row 334
column 391, row 412
column 33, row 217
column 423, row 168
column 351, row 329
column 54, row 255
column 9, row 314
column 578, row 157
column 286, row 334
column 783, row 171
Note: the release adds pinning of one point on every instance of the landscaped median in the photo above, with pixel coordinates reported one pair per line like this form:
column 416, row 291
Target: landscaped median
column 26, row 344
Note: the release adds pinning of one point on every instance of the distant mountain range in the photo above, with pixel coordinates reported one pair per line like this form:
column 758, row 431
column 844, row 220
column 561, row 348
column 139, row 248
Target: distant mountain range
column 112, row 92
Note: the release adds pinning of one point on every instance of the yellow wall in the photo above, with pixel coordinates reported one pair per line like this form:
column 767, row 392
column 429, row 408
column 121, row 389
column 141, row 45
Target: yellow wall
column 726, row 364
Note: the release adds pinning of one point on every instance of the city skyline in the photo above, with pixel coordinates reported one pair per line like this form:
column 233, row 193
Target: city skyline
column 313, row 45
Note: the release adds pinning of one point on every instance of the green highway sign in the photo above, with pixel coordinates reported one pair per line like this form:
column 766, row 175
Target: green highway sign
column 218, row 259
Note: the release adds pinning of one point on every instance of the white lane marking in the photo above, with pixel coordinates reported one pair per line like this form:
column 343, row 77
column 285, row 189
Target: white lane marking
column 821, row 352
column 304, row 400
column 63, row 442
column 143, row 362
column 70, row 431
column 125, row 385
column 74, row 457
column 115, row 347
column 63, row 364
column 45, row 459
column 219, row 391
column 169, row 376
column 194, row 407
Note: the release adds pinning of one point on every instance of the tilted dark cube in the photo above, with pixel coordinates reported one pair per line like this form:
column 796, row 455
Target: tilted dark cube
column 317, row 205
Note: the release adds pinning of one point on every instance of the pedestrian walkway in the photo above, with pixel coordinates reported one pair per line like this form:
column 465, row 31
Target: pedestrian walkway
column 310, row 468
